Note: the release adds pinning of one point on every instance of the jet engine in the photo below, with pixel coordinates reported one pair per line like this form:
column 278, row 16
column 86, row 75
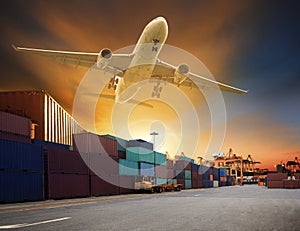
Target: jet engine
column 181, row 73
column 104, row 58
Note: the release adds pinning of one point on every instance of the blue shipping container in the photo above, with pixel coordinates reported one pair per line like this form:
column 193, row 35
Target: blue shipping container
column 160, row 158
column 188, row 184
column 195, row 167
column 50, row 144
column 21, row 186
column 146, row 169
column 216, row 173
column 21, row 156
column 161, row 181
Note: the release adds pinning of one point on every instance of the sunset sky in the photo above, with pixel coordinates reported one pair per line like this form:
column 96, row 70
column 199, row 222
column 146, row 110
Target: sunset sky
column 250, row 44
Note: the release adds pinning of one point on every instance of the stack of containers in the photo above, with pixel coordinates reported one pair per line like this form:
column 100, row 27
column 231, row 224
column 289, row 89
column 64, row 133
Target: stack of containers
column 195, row 176
column 122, row 145
column 183, row 173
column 100, row 153
column 275, row 180
column 161, row 171
column 291, row 184
column 223, row 178
column 170, row 172
column 216, row 177
column 204, row 172
column 13, row 127
column 66, row 174
column 21, row 172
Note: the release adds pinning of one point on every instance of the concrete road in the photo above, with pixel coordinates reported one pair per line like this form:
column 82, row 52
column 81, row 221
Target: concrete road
column 226, row 208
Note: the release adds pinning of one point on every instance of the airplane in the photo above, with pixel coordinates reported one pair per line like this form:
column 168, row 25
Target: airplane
column 130, row 70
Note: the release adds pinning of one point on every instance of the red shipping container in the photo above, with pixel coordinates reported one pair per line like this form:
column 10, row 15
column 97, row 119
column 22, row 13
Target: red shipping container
column 183, row 165
column 275, row 184
column 93, row 143
column 170, row 164
column 195, row 183
column 101, row 164
column 277, row 176
column 170, row 173
column 60, row 160
column 126, row 184
column 211, row 177
column 291, row 184
column 161, row 171
column 67, row 186
column 15, row 124
column 108, row 185
column 195, row 176
column 121, row 155
column 297, row 176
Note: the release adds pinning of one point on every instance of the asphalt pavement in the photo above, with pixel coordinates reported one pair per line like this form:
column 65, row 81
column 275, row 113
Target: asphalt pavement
column 248, row 207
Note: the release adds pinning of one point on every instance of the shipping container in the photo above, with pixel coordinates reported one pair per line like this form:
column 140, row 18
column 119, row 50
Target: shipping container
column 126, row 184
column 170, row 173
column 183, row 165
column 275, row 184
column 54, row 124
column 140, row 143
column 15, row 124
column 216, row 183
column 181, row 181
column 195, row 167
column 195, row 183
column 277, row 176
column 171, row 181
column 161, row 181
column 297, row 175
column 105, row 185
column 66, row 186
column 185, row 174
column 170, row 164
column 291, row 184
column 59, row 160
column 21, row 156
column 19, row 186
column 216, row 173
column 93, row 143
column 122, row 155
column 160, row 158
column 146, row 169
column 101, row 164
column 222, row 184
column 223, row 179
column 14, row 137
column 195, row 175
column 161, row 172
column 207, row 184
column 122, row 144
column 128, row 168
column 188, row 184
column 222, row 172
column 204, row 170
column 140, row 154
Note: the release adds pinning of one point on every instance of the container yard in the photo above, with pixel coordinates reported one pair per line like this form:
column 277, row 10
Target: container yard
column 39, row 163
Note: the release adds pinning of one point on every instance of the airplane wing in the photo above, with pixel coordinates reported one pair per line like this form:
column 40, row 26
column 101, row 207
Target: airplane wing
column 117, row 64
column 166, row 71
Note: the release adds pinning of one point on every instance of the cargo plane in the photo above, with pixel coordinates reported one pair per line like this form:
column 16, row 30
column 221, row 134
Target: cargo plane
column 130, row 70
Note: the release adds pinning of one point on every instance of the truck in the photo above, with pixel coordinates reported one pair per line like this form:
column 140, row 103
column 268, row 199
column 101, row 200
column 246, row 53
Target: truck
column 145, row 184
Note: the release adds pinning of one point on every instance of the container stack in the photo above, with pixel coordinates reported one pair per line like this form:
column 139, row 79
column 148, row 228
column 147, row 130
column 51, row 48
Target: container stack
column 100, row 153
column 183, row 173
column 64, row 169
column 14, row 127
column 21, row 171
column 195, row 176
column 204, row 172
column 223, row 178
column 275, row 180
column 161, row 171
column 216, row 177
column 170, row 172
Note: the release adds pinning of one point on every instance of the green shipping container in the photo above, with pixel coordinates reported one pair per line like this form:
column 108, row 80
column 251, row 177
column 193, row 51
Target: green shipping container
column 188, row 184
column 128, row 168
column 160, row 158
column 172, row 181
column 183, row 174
column 161, row 181
column 140, row 154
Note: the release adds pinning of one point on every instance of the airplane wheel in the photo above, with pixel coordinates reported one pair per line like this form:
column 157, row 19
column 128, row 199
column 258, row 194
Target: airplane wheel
column 115, row 87
column 109, row 86
column 117, row 81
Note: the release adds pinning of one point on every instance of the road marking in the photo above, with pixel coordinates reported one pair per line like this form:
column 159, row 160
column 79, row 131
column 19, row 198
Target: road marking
column 197, row 195
column 36, row 223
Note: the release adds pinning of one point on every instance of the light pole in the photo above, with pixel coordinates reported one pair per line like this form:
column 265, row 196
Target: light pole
column 154, row 134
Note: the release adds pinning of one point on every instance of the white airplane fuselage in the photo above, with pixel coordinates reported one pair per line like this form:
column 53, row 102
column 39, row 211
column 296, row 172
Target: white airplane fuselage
column 144, row 58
